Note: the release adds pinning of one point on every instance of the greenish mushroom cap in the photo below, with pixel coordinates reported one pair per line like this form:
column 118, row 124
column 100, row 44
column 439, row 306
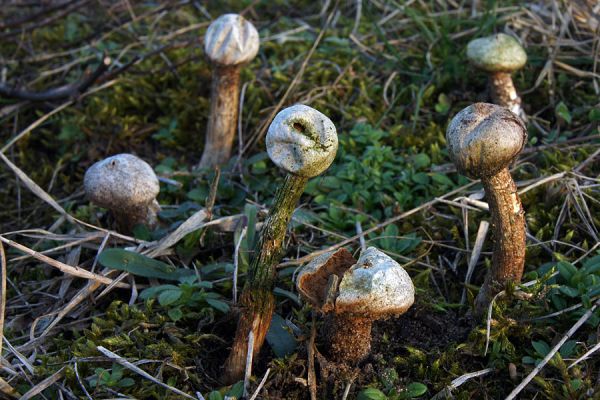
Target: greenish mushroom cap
column 302, row 141
column 484, row 138
column 496, row 53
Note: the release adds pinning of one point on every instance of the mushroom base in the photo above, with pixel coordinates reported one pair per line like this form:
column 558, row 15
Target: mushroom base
column 505, row 94
column 349, row 337
column 222, row 122
column 127, row 219
column 508, row 227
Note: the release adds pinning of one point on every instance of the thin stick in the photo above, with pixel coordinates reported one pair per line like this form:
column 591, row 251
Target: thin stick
column 479, row 240
column 261, row 384
column 2, row 294
column 236, row 261
column 67, row 269
column 552, row 352
column 361, row 239
column 311, row 377
column 586, row 355
column 248, row 372
column 40, row 387
column 139, row 371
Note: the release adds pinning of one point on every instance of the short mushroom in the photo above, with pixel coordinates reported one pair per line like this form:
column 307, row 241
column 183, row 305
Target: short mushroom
column 127, row 186
column 303, row 142
column 483, row 139
column 230, row 42
column 499, row 55
column 373, row 288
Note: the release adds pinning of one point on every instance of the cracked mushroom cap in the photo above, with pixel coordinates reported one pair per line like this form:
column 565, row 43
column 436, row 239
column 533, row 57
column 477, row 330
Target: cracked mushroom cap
column 302, row 141
column 120, row 182
column 496, row 53
column 484, row 138
column 231, row 40
column 375, row 285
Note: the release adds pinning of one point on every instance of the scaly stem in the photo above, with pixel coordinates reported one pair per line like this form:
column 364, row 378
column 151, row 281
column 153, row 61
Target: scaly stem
column 504, row 93
column 508, row 227
column 257, row 302
column 349, row 337
column 222, row 121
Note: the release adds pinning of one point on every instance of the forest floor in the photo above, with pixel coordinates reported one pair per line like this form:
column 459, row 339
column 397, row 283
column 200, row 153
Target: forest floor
column 390, row 75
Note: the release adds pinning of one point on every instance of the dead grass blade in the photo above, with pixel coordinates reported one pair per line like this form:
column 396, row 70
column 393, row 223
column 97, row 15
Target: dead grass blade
column 40, row 387
column 67, row 269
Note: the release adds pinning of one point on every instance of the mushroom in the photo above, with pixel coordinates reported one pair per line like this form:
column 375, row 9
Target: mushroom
column 374, row 288
column 303, row 142
column 127, row 186
column 230, row 42
column 499, row 55
column 483, row 139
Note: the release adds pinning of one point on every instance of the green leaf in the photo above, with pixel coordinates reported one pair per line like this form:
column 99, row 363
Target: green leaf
column 566, row 270
column 169, row 297
column 286, row 293
column 371, row 394
column 541, row 347
column 154, row 291
column 214, row 395
column 126, row 382
column 416, row 389
column 236, row 390
column 563, row 112
column 218, row 305
column 137, row 264
column 175, row 314
column 441, row 179
column 282, row 342
column 421, row 160
column 594, row 115
column 568, row 291
column 567, row 349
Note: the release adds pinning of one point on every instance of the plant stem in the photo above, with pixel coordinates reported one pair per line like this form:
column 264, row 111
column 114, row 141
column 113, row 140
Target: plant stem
column 256, row 301
column 222, row 122
column 504, row 93
column 508, row 227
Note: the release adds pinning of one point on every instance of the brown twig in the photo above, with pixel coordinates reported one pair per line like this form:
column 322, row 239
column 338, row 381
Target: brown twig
column 35, row 15
column 61, row 92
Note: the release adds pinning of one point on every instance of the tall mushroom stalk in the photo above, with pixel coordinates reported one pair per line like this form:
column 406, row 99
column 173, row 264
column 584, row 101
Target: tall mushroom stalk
column 500, row 55
column 354, row 294
column 127, row 186
column 483, row 139
column 230, row 43
column 303, row 142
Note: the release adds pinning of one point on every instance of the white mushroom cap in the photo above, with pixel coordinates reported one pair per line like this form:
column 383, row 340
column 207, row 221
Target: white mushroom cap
column 231, row 40
column 496, row 53
column 302, row 141
column 484, row 138
column 121, row 182
column 375, row 286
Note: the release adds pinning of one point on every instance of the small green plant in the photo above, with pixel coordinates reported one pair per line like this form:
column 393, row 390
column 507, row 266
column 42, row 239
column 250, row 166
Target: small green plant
column 412, row 391
column 110, row 378
column 184, row 299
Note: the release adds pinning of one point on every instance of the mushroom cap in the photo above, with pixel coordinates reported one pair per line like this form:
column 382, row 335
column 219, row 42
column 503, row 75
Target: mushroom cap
column 312, row 280
column 120, row 182
column 484, row 138
column 376, row 286
column 302, row 141
column 231, row 40
column 496, row 53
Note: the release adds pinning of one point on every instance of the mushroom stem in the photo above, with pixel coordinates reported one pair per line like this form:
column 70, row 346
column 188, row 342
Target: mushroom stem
column 349, row 337
column 504, row 93
column 222, row 122
column 508, row 227
column 257, row 302
column 143, row 214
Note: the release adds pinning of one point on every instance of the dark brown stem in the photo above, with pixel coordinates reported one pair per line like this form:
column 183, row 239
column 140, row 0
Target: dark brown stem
column 349, row 337
column 222, row 122
column 143, row 214
column 508, row 227
column 257, row 302
column 504, row 93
